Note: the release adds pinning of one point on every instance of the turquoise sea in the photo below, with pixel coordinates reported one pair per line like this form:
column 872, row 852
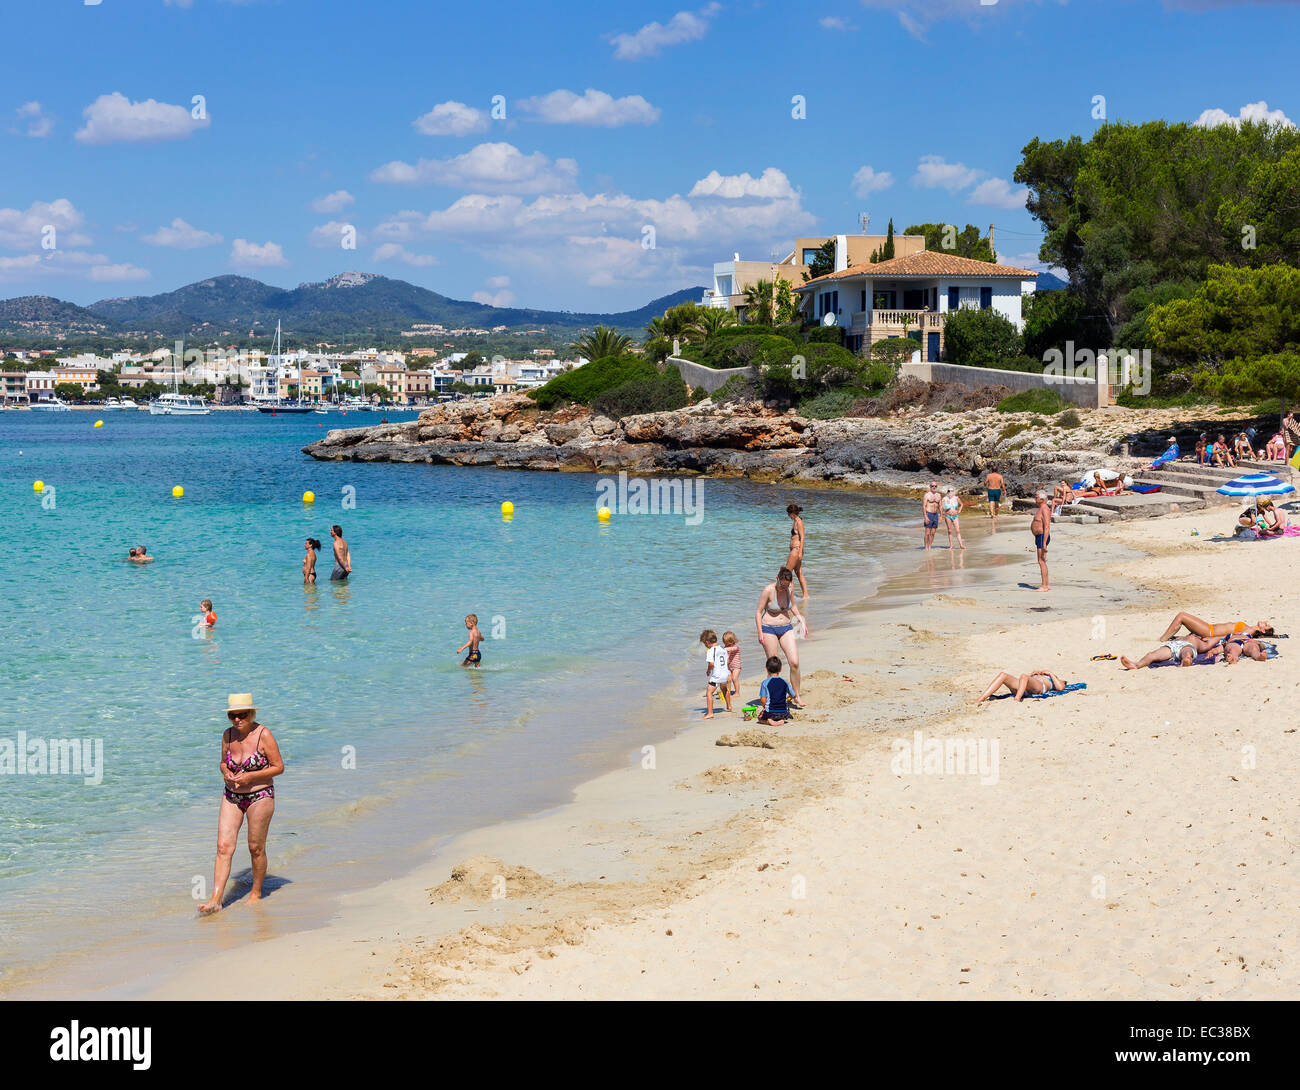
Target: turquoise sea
column 390, row 746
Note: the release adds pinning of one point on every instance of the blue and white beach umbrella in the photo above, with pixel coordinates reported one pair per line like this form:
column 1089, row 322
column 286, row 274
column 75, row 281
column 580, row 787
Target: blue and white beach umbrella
column 1254, row 485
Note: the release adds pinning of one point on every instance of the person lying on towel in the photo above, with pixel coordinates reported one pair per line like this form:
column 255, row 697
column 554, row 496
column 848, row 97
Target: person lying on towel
column 1040, row 681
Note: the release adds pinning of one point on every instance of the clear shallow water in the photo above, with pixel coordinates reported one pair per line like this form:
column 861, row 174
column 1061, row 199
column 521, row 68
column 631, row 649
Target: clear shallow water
column 595, row 620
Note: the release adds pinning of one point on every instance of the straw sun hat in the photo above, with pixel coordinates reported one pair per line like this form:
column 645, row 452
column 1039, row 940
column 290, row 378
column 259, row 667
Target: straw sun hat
column 240, row 702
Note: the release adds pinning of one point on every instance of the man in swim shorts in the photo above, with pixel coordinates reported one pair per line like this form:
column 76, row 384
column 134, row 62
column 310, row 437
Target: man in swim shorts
column 994, row 484
column 342, row 558
column 1183, row 652
column 930, row 512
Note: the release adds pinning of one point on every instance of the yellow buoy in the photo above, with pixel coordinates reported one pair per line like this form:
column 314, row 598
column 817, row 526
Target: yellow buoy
column 99, row 423
column 309, row 497
column 507, row 508
column 178, row 492
column 603, row 514
column 38, row 486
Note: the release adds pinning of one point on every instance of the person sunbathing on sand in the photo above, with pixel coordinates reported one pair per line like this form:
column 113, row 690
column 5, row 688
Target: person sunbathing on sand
column 1184, row 652
column 1040, row 681
column 1236, row 646
column 1207, row 631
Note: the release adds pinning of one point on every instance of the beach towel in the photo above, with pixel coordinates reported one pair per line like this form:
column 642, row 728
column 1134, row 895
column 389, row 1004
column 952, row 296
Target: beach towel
column 1200, row 660
column 1145, row 489
column 1073, row 687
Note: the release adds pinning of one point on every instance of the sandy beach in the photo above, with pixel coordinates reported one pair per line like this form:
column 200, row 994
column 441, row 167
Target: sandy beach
column 1133, row 840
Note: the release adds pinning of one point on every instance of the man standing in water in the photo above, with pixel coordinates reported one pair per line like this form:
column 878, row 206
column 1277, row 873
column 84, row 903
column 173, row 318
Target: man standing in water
column 342, row 558
column 930, row 512
column 1041, row 528
column 994, row 484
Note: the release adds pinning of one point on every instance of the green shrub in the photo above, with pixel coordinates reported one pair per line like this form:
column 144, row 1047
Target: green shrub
column 1033, row 401
column 830, row 405
column 736, row 388
column 791, row 331
column 878, row 375
column 826, row 334
column 980, row 338
column 643, row 395
column 893, row 351
column 752, row 350
column 584, row 383
column 1011, row 430
column 1068, row 419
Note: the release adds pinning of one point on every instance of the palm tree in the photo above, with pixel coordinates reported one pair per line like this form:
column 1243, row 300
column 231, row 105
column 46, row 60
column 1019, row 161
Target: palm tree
column 601, row 342
column 710, row 320
column 758, row 303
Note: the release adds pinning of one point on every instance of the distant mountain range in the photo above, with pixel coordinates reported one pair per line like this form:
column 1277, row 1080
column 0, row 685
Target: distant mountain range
column 351, row 304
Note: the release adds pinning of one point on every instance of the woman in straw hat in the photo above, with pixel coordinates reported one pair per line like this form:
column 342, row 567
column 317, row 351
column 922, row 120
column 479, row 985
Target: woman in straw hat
column 250, row 761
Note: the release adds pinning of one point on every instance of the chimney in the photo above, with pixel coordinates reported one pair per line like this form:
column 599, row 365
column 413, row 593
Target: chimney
column 841, row 252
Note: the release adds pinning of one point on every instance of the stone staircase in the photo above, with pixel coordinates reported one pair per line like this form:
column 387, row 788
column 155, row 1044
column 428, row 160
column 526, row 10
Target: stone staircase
column 1184, row 486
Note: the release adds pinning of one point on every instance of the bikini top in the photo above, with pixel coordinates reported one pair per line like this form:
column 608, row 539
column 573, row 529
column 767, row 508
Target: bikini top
column 252, row 763
column 774, row 606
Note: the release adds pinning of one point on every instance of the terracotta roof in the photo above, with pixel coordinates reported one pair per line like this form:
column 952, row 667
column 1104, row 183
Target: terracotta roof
column 927, row 264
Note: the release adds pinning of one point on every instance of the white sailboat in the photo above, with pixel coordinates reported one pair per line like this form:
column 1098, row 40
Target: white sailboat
column 277, row 406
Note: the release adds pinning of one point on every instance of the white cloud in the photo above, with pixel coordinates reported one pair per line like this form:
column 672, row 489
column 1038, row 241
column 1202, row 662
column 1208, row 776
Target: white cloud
column 916, row 15
column 253, row 255
column 652, row 38
column 25, row 229
column 868, row 180
column 498, row 168
column 31, row 115
column 596, row 239
column 181, row 236
column 772, row 183
column 1257, row 112
column 332, row 202
column 71, row 264
column 115, row 119
column 116, row 274
column 497, row 281
column 592, row 107
column 452, row 119
column 835, row 22
column 494, row 299
column 997, row 193
column 933, row 172
column 331, row 235
column 395, row 251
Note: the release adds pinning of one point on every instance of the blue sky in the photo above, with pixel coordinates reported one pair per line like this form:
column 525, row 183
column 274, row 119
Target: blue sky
column 319, row 115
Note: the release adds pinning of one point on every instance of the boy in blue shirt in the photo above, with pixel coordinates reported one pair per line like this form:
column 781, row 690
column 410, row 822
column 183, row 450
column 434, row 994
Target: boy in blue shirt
column 774, row 695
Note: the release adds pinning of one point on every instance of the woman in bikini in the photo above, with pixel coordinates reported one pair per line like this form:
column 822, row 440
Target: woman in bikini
column 795, row 560
column 1040, row 681
column 775, row 619
column 952, row 507
column 250, row 761
column 1207, row 631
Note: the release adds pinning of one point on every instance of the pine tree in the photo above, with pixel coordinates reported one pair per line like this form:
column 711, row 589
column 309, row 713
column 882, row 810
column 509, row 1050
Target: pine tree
column 888, row 250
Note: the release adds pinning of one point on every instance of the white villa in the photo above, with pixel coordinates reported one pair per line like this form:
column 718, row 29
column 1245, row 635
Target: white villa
column 912, row 296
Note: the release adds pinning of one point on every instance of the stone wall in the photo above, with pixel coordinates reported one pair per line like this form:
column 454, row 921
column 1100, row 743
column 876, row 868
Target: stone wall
column 1085, row 393
column 708, row 379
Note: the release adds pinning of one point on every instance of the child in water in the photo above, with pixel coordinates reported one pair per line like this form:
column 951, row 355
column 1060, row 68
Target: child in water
column 209, row 618
column 732, row 644
column 715, row 670
column 475, row 656
column 309, row 561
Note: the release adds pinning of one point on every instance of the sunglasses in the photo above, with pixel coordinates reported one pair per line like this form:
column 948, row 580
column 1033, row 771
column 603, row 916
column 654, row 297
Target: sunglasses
column 232, row 716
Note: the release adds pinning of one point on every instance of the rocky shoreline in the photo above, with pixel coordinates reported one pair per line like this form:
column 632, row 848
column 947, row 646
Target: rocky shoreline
column 754, row 441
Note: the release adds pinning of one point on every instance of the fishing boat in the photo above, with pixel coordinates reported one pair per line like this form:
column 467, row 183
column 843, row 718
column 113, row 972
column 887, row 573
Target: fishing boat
column 277, row 406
